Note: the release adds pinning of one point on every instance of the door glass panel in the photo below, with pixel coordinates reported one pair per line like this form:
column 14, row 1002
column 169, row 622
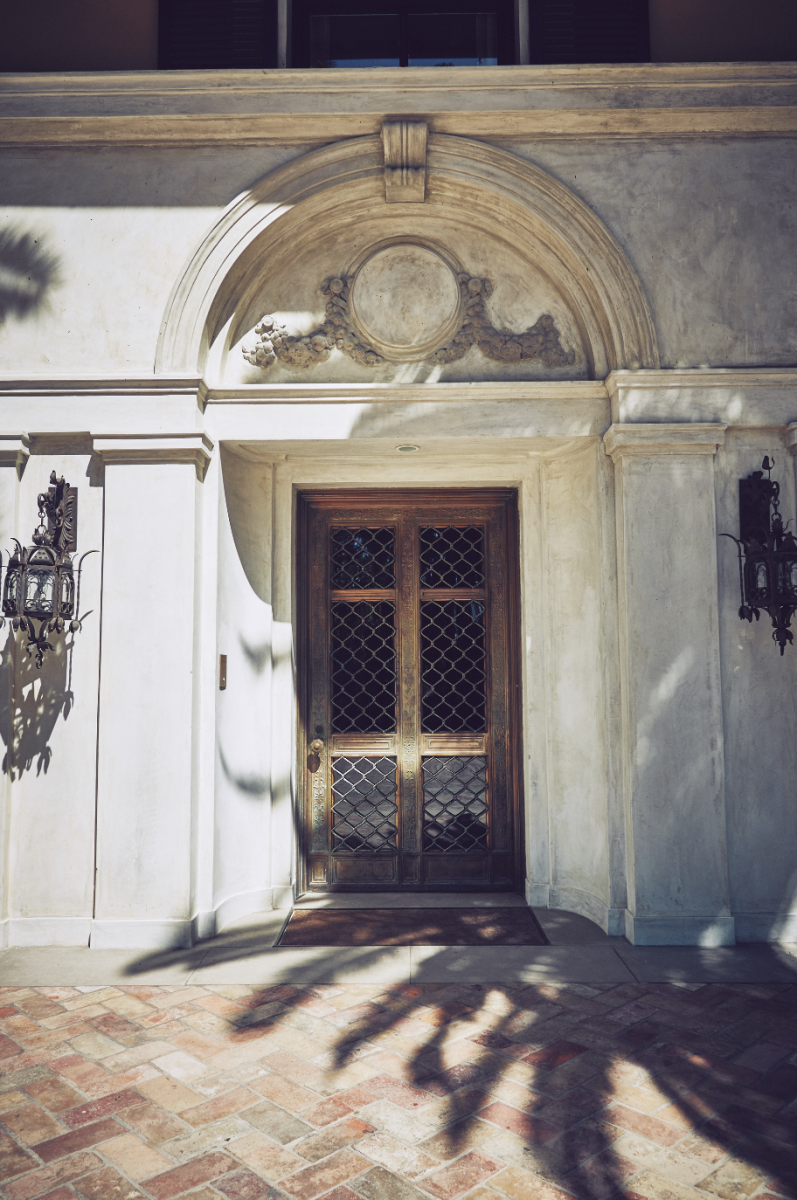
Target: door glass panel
column 453, row 680
column 452, row 39
column 364, row 666
column 363, row 558
column 452, row 558
column 364, row 808
column 361, row 40
column 455, row 804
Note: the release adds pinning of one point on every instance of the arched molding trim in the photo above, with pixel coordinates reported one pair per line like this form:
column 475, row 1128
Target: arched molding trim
column 477, row 185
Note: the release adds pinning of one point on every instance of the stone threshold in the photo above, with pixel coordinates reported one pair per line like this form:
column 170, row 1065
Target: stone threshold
column 410, row 900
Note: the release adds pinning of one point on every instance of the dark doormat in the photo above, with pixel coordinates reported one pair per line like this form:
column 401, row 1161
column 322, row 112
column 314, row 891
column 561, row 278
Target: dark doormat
column 413, row 927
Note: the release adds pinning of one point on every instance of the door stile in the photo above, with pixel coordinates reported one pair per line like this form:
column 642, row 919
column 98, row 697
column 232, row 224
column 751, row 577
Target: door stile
column 409, row 704
column 497, row 674
column 318, row 724
column 514, row 692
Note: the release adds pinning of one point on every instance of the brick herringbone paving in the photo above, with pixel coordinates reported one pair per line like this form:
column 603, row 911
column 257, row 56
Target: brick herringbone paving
column 399, row 1093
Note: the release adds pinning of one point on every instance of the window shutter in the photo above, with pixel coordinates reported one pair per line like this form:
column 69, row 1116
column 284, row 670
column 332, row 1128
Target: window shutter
column 588, row 31
column 207, row 34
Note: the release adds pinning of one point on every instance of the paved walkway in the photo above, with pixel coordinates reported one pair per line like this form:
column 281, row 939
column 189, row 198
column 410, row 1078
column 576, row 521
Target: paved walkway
column 245, row 953
column 635, row 1087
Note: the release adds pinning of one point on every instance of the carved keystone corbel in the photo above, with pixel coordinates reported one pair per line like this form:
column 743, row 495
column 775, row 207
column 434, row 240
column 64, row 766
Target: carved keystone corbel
column 405, row 161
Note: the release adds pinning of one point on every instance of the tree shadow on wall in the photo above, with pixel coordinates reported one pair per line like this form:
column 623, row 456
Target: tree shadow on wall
column 31, row 702
column 27, row 272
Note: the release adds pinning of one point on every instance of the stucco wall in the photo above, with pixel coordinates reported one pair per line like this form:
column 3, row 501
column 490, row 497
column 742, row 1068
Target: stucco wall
column 658, row 729
column 760, row 717
column 711, row 229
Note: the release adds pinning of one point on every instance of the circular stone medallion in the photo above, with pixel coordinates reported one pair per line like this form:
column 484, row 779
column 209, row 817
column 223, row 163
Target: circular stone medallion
column 405, row 301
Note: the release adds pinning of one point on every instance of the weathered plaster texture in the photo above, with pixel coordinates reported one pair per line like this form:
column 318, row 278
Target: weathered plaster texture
column 639, row 209
column 760, row 716
column 711, row 227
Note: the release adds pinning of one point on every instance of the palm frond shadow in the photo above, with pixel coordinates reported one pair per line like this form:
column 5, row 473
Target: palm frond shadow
column 567, row 1081
column 28, row 270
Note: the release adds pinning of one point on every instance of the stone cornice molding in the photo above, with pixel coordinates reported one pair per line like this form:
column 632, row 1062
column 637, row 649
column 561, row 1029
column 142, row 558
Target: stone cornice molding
column 266, row 129
column 706, row 377
column 149, row 385
column 480, row 186
column 14, row 451
column 791, row 437
column 578, row 391
column 622, row 441
column 754, row 396
column 280, row 107
column 194, row 448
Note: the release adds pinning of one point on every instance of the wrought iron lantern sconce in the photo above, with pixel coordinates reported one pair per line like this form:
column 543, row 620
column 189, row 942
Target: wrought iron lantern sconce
column 767, row 555
column 42, row 584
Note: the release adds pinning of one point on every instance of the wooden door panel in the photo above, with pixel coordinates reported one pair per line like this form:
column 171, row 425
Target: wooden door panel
column 407, row 664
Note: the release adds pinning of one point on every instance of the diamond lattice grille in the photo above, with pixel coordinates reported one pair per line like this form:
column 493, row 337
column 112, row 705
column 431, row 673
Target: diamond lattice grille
column 452, row 557
column 452, row 666
column 364, row 667
column 363, row 558
column 364, row 810
column 455, row 804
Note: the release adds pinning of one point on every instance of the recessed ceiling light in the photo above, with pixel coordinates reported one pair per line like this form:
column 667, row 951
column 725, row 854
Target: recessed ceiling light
column 408, row 449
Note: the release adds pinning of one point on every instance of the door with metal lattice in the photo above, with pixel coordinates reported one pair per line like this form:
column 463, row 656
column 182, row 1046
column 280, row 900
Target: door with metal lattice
column 409, row 732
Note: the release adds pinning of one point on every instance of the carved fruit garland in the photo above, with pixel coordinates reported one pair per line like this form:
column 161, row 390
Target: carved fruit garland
column 540, row 341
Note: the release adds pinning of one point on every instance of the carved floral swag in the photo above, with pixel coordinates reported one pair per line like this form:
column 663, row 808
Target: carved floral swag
column 539, row 341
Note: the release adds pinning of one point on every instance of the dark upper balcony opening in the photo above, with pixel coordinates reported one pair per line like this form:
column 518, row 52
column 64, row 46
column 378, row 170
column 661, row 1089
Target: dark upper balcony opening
column 113, row 35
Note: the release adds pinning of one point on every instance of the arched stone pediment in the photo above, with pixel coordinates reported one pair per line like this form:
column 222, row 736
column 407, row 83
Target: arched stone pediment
column 545, row 290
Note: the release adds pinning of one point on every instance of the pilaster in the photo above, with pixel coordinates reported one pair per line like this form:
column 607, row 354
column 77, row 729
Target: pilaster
column 670, row 669
column 146, row 757
column 13, row 453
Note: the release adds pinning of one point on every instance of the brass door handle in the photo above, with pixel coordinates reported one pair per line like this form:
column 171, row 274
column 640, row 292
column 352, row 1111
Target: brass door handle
column 314, row 757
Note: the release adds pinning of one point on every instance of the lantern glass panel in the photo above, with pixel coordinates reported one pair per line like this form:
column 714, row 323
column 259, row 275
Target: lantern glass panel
column 39, row 590
column 67, row 592
column 783, row 580
column 10, row 599
column 756, row 578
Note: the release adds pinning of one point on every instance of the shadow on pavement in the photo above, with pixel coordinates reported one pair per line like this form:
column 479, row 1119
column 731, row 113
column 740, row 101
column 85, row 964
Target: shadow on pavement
column 584, row 1085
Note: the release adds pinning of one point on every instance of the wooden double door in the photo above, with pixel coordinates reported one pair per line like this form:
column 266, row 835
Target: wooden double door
column 407, row 658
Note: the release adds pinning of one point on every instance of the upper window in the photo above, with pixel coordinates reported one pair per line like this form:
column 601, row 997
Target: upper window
column 367, row 33
column 399, row 33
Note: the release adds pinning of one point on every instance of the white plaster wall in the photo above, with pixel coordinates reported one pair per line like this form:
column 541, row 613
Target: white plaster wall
column 51, row 763
column 189, row 825
column 576, row 701
column 9, row 500
column 760, row 717
column 120, row 223
column 242, row 862
column 674, row 786
column 146, row 705
column 711, row 228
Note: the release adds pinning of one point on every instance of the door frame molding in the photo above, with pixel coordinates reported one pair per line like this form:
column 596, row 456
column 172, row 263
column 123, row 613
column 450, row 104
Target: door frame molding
column 335, row 497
